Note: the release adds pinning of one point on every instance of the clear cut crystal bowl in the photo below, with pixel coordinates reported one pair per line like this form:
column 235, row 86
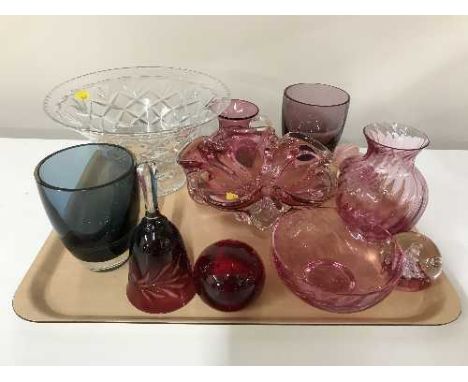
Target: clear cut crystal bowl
column 153, row 111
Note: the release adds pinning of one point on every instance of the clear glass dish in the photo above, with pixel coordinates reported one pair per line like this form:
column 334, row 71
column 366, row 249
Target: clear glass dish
column 151, row 110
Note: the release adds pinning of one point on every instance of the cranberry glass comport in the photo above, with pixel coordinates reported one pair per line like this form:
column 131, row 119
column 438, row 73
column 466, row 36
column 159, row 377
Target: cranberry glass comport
column 258, row 175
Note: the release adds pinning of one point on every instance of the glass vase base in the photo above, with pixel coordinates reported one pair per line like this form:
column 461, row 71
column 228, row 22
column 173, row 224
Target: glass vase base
column 107, row 265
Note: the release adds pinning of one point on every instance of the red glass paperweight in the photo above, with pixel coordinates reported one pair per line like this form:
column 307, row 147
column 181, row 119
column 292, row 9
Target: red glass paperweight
column 324, row 264
column 229, row 275
column 160, row 276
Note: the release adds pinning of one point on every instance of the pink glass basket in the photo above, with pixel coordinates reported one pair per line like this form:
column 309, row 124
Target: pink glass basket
column 258, row 175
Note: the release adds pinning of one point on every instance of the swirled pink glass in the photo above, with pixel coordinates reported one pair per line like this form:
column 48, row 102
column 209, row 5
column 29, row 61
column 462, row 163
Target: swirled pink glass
column 324, row 264
column 257, row 174
column 384, row 188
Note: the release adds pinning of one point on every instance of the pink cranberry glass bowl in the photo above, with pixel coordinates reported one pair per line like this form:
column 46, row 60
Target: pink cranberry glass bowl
column 320, row 261
column 258, row 175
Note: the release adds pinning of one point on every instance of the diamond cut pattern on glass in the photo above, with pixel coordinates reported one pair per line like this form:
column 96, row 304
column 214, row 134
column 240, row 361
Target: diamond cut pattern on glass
column 152, row 111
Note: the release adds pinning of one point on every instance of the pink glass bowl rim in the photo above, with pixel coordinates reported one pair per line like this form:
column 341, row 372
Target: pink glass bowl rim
column 367, row 131
column 390, row 284
column 335, row 88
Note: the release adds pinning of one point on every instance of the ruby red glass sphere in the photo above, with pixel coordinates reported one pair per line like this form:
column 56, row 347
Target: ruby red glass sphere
column 229, row 275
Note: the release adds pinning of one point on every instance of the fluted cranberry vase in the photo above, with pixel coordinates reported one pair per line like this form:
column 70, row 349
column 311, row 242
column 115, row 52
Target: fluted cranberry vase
column 383, row 188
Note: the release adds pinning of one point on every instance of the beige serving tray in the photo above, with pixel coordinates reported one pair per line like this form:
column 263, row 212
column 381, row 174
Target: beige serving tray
column 57, row 288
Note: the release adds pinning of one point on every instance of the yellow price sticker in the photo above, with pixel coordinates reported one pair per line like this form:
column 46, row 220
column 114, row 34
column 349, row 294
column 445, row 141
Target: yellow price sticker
column 231, row 196
column 81, row 95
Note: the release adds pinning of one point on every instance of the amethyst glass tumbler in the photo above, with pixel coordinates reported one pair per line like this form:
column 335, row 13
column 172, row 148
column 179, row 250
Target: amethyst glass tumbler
column 384, row 188
column 320, row 261
column 317, row 109
column 241, row 114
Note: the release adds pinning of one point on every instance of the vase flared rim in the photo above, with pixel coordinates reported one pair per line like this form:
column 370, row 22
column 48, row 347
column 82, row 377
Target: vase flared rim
column 381, row 125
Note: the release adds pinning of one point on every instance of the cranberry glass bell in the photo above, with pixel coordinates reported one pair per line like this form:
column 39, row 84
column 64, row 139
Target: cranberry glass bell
column 160, row 275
